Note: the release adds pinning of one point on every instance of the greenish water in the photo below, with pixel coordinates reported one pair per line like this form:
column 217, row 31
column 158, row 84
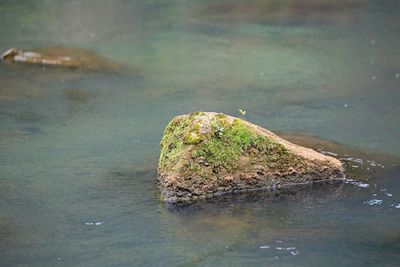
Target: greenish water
column 79, row 150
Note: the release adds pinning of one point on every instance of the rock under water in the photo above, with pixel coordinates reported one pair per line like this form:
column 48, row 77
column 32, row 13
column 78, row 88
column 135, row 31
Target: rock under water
column 205, row 154
column 61, row 57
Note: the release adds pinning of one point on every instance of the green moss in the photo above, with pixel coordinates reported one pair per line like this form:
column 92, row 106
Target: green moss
column 222, row 147
column 171, row 147
column 195, row 167
column 230, row 140
column 193, row 135
column 221, row 116
column 179, row 132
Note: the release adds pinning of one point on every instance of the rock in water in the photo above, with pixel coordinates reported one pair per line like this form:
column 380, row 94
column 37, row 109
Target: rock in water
column 206, row 154
column 60, row 56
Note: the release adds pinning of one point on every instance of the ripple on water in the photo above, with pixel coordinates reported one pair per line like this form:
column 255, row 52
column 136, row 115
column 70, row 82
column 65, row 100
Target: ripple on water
column 282, row 250
column 356, row 183
column 373, row 202
column 98, row 223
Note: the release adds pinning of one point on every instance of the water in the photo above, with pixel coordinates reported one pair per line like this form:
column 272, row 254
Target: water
column 79, row 150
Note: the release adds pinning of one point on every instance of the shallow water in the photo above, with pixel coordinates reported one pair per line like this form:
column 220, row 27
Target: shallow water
column 79, row 150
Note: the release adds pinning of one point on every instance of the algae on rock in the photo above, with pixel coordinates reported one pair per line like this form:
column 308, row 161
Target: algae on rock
column 205, row 154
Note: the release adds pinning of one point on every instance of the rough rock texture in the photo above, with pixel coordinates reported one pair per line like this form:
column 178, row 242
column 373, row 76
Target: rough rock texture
column 205, row 154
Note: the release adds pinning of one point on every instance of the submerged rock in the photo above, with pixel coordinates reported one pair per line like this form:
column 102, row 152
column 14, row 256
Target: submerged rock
column 59, row 56
column 205, row 154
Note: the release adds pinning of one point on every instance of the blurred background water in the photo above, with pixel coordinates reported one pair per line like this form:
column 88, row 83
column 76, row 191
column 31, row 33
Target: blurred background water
column 79, row 149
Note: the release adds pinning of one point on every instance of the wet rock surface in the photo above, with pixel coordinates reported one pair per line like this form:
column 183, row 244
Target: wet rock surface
column 206, row 154
column 61, row 57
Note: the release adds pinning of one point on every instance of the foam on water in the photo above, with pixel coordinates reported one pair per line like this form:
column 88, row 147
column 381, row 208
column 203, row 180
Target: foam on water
column 373, row 202
column 98, row 223
column 356, row 183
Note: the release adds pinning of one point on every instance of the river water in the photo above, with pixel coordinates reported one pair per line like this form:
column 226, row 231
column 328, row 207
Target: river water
column 79, row 149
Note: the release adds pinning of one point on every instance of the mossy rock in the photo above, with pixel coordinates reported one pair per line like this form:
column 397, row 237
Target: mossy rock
column 204, row 154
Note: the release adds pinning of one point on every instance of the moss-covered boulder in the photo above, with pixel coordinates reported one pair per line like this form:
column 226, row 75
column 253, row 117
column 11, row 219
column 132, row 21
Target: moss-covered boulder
column 206, row 154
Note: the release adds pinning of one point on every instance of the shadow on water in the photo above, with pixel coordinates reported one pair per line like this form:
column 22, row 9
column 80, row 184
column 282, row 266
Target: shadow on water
column 276, row 226
column 282, row 225
column 279, row 224
column 20, row 80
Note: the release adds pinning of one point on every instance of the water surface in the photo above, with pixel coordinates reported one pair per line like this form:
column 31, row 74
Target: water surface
column 79, row 149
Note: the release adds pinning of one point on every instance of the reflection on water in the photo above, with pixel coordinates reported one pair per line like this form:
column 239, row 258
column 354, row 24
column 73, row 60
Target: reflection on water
column 269, row 226
column 79, row 150
column 286, row 12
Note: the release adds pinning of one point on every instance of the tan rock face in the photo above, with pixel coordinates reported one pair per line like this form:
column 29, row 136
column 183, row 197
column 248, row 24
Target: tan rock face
column 206, row 154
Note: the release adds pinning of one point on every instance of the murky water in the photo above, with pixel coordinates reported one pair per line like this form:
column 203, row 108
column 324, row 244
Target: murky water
column 79, row 149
